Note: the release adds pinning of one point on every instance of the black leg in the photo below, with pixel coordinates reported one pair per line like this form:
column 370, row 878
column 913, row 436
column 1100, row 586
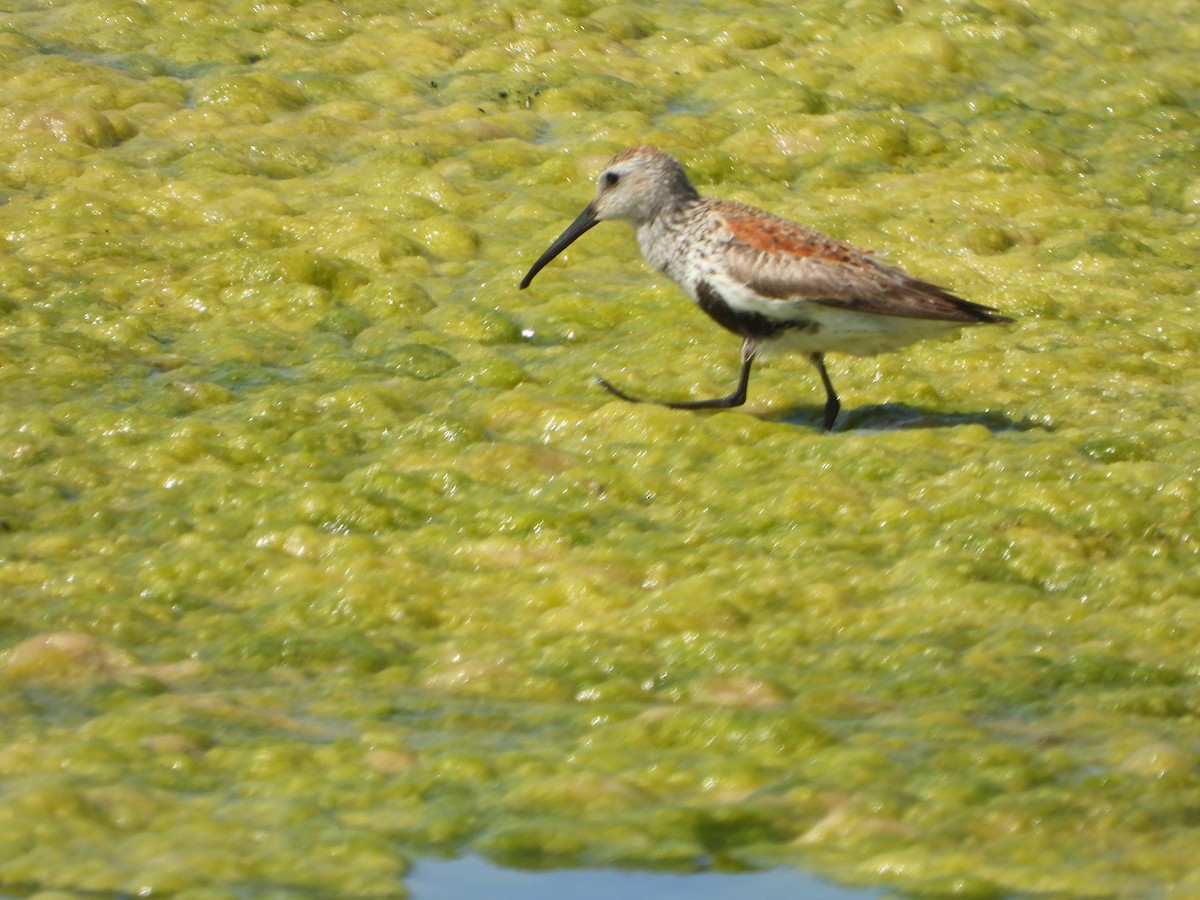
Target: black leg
column 832, row 403
column 737, row 398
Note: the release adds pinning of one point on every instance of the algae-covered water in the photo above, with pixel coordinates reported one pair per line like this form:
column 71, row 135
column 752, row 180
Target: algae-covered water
column 321, row 550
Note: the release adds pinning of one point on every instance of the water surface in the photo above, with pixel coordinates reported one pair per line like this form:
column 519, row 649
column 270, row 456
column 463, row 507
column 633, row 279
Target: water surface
column 321, row 551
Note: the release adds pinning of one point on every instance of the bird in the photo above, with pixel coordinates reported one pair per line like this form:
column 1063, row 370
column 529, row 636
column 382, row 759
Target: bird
column 772, row 282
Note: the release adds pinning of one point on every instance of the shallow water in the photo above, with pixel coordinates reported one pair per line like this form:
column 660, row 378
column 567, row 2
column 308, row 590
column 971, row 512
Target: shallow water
column 322, row 551
column 472, row 877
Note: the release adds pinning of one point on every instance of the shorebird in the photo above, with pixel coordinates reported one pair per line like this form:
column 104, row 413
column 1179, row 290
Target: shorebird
column 774, row 283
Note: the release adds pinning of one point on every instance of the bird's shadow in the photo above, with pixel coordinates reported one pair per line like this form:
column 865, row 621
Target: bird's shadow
column 904, row 417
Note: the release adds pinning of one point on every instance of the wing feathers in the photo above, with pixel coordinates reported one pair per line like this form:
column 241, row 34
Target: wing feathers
column 781, row 260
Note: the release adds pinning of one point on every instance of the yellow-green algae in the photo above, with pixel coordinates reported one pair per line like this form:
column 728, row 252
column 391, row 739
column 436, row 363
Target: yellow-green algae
column 321, row 549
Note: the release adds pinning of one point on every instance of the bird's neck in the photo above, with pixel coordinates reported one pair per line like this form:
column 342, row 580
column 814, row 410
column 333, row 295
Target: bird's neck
column 662, row 239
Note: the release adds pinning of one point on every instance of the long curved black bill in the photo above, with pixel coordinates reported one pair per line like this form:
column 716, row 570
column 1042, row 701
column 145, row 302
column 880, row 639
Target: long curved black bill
column 587, row 219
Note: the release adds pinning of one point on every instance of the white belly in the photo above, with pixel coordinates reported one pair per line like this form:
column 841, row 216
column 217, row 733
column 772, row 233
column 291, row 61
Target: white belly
column 857, row 333
column 821, row 327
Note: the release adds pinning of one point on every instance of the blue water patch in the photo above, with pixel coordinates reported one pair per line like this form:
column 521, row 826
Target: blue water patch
column 472, row 876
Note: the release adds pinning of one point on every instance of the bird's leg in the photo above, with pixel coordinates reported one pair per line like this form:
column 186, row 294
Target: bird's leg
column 832, row 403
column 737, row 398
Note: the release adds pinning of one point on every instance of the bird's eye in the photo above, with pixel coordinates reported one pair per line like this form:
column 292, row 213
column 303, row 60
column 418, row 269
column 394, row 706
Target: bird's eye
column 610, row 179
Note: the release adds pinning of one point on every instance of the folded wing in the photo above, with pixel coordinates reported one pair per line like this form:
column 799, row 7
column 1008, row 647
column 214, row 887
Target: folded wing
column 784, row 261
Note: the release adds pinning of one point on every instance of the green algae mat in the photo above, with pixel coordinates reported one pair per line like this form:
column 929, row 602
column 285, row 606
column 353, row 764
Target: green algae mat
column 321, row 551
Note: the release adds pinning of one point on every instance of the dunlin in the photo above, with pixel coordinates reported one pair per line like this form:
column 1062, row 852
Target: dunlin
column 774, row 283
